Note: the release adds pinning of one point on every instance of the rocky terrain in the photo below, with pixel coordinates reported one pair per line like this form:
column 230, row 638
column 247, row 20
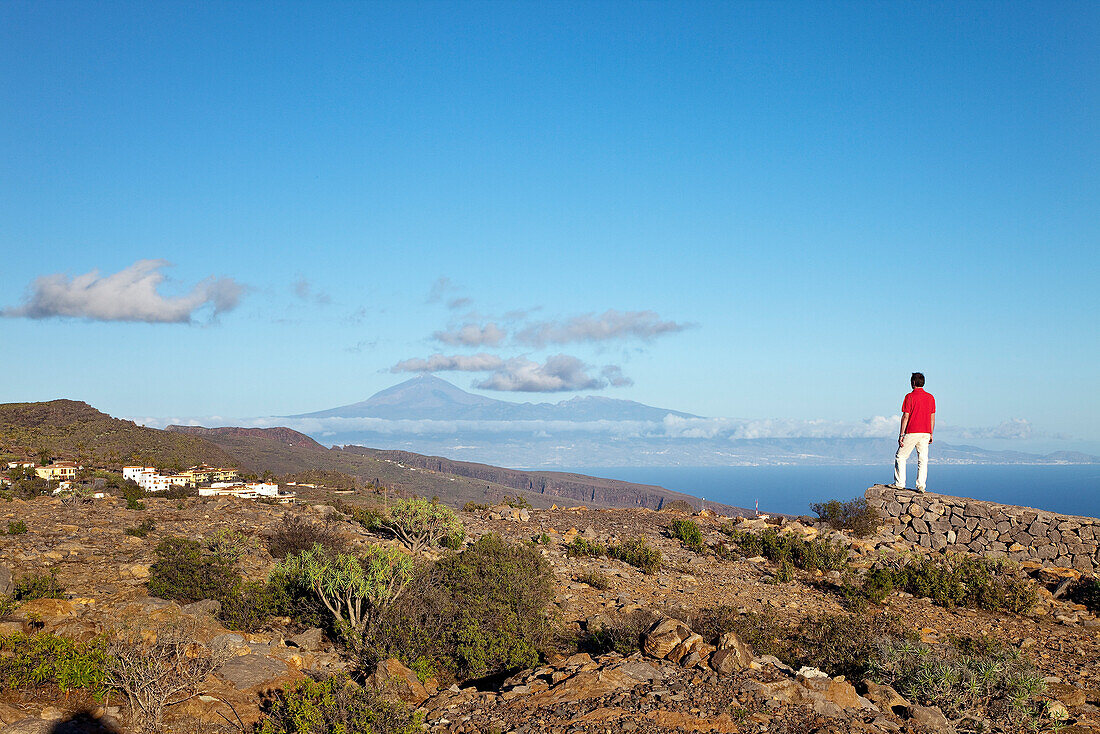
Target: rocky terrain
column 677, row 682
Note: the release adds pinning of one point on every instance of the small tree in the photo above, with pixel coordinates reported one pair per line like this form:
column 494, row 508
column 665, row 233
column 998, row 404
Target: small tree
column 419, row 523
column 355, row 589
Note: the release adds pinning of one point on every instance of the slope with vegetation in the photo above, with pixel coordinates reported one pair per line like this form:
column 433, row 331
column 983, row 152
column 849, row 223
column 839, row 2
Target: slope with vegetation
column 360, row 617
column 77, row 431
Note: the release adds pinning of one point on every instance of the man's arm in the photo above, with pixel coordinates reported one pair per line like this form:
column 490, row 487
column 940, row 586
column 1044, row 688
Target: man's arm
column 904, row 424
column 933, row 428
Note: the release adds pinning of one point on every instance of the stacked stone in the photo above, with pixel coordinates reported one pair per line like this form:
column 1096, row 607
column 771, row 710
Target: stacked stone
column 937, row 521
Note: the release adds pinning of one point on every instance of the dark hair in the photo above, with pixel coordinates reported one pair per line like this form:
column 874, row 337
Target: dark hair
column 917, row 380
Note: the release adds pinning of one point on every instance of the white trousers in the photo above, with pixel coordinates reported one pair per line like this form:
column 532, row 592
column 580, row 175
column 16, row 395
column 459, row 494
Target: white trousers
column 910, row 441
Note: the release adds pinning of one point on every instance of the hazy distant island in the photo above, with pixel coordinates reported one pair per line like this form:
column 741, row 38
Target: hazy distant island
column 429, row 415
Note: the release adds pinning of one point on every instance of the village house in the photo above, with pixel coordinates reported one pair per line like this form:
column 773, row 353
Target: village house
column 149, row 479
column 243, row 490
column 59, row 471
column 203, row 474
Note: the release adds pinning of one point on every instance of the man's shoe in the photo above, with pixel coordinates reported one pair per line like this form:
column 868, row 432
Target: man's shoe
column 920, row 489
column 893, row 486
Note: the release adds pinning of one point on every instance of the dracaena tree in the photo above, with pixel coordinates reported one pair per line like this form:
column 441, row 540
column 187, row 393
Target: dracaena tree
column 420, row 523
column 354, row 588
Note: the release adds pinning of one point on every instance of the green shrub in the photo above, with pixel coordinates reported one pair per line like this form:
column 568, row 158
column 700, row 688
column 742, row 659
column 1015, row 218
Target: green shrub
column 37, row 586
column 249, row 606
column 688, row 533
column 808, row 555
column 420, row 523
column 955, row 580
column 334, row 705
column 133, row 504
column 371, row 518
column 595, row 579
column 477, row 612
column 970, row 677
column 784, row 574
column 454, row 540
column 472, row 506
column 855, row 515
column 355, row 588
column 16, row 527
column 30, row 488
column 297, row 534
column 581, row 547
column 147, row 526
column 30, row 661
column 839, row 644
column 519, row 502
column 499, row 593
column 637, row 552
column 227, row 545
column 184, row 573
column 303, row 607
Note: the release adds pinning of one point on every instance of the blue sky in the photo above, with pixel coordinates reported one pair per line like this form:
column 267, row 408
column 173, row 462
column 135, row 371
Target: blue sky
column 786, row 207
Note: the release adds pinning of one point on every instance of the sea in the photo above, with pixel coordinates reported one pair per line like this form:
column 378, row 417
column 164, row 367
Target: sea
column 1064, row 488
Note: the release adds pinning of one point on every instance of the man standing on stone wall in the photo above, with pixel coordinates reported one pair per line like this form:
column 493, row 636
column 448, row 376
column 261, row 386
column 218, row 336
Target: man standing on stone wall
column 918, row 420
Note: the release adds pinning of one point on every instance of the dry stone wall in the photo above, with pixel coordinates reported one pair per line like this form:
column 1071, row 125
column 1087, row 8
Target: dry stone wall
column 937, row 521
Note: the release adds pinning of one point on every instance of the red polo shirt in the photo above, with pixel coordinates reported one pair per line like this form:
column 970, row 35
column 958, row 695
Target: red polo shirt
column 920, row 406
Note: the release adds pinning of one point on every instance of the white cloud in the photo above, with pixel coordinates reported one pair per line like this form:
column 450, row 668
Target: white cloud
column 611, row 324
column 559, row 373
column 128, row 295
column 472, row 335
column 730, row 428
column 451, row 363
column 613, row 373
column 1016, row 428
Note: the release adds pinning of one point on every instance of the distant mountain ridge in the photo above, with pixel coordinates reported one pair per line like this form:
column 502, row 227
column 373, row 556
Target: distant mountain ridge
column 428, row 397
column 428, row 415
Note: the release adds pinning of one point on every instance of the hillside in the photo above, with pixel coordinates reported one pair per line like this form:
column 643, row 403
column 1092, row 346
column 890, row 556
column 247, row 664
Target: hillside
column 706, row 641
column 284, row 451
column 578, row 488
column 76, row 430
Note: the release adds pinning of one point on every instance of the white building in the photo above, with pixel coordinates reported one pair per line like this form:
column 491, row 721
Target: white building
column 133, row 473
column 147, row 478
column 250, row 490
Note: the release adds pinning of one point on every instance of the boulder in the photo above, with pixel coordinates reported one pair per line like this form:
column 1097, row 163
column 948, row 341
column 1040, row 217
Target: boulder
column 6, row 582
column 664, row 637
column 595, row 684
column 392, row 678
column 885, row 697
column 931, row 717
column 254, row 671
column 688, row 645
column 833, row 690
column 310, row 640
column 736, row 653
column 728, row 660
